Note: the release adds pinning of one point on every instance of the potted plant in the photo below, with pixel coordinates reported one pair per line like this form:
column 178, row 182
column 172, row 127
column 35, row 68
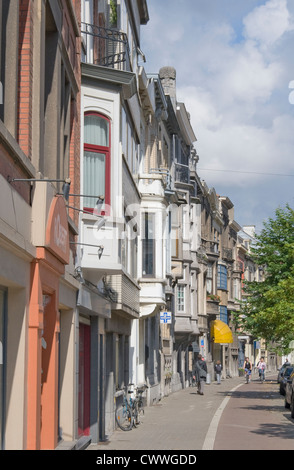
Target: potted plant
column 241, row 372
column 213, row 297
column 113, row 13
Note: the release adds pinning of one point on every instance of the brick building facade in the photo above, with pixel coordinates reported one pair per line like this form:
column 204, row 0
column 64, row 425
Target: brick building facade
column 39, row 143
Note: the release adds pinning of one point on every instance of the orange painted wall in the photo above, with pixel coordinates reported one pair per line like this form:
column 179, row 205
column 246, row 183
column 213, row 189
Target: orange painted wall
column 42, row 425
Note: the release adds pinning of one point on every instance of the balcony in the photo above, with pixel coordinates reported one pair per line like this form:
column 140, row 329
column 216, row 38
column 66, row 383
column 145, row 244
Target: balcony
column 210, row 248
column 100, row 248
column 212, row 304
column 106, row 57
column 106, row 47
column 182, row 173
column 202, row 323
column 157, row 182
column 227, row 254
column 124, row 293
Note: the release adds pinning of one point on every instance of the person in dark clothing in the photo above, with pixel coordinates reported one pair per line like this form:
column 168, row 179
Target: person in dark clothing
column 200, row 373
column 247, row 366
column 218, row 371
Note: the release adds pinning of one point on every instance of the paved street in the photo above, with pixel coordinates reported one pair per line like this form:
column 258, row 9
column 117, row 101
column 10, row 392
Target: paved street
column 224, row 418
column 255, row 414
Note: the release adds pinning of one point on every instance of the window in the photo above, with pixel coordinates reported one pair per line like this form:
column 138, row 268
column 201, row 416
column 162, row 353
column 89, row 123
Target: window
column 175, row 245
column 129, row 248
column 181, row 299
column 223, row 313
column 148, row 245
column 209, row 286
column 236, row 289
column 130, row 146
column 222, row 277
column 96, row 161
column 168, row 243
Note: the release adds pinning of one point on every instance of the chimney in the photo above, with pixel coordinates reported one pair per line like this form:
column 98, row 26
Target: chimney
column 167, row 76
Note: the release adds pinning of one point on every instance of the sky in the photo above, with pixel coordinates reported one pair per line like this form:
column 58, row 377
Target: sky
column 234, row 62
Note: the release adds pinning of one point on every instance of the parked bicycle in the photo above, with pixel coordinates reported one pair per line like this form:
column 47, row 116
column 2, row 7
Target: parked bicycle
column 139, row 403
column 123, row 414
column 128, row 414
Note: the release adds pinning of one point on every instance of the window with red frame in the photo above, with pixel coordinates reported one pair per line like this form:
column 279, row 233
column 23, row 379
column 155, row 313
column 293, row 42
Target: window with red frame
column 96, row 165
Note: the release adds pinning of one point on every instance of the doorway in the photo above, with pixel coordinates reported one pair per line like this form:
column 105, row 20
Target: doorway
column 84, row 380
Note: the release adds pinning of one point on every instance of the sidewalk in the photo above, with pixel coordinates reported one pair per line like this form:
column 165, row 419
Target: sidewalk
column 179, row 422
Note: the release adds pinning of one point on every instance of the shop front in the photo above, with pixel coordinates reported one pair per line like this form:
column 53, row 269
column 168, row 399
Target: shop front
column 44, row 328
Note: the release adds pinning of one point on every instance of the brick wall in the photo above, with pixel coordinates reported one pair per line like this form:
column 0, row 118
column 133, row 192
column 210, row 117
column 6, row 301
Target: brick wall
column 25, row 76
column 73, row 46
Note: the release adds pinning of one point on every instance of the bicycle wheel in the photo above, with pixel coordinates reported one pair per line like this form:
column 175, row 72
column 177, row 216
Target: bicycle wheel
column 135, row 414
column 124, row 418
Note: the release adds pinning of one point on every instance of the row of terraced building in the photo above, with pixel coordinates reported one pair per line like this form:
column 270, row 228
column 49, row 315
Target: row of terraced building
column 118, row 263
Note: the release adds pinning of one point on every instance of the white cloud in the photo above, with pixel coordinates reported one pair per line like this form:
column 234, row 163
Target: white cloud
column 201, row 106
column 268, row 23
column 247, row 148
column 235, row 74
column 247, row 77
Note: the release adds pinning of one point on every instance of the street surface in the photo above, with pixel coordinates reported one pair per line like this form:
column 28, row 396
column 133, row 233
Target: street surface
column 256, row 415
column 229, row 416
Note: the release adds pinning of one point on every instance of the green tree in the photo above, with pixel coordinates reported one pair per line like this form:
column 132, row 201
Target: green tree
column 268, row 311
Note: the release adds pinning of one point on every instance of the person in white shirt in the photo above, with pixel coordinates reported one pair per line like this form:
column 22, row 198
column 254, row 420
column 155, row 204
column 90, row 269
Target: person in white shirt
column 261, row 369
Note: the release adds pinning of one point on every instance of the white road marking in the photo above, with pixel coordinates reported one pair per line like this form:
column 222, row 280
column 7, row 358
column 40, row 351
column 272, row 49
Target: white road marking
column 211, row 433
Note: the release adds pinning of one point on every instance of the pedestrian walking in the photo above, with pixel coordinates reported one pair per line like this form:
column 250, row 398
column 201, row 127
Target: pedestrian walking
column 218, row 371
column 261, row 368
column 200, row 373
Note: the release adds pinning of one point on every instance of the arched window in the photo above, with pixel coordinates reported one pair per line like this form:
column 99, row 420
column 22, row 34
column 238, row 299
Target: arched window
column 96, row 161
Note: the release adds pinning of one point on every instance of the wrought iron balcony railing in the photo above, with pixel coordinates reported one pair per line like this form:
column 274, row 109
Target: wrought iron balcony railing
column 106, row 47
column 167, row 178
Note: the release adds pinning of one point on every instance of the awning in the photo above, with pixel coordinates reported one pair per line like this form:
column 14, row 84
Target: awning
column 220, row 332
